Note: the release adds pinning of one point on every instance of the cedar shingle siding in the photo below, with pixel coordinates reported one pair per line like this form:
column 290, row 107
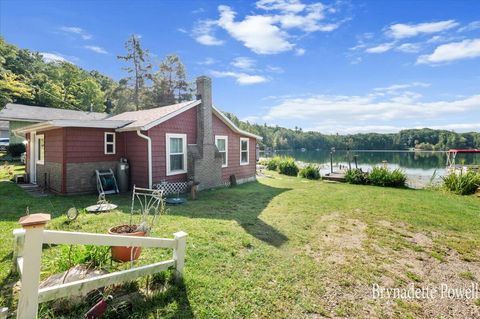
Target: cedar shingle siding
column 75, row 149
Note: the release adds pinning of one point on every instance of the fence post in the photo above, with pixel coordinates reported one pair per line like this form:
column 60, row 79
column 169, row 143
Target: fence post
column 33, row 225
column 179, row 252
column 19, row 235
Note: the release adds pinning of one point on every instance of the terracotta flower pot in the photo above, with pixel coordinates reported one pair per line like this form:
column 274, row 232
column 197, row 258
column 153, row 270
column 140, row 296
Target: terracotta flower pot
column 121, row 253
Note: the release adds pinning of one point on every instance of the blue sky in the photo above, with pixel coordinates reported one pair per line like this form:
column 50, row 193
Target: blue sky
column 331, row 66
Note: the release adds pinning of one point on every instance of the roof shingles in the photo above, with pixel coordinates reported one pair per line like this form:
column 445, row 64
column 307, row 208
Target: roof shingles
column 31, row 113
column 144, row 118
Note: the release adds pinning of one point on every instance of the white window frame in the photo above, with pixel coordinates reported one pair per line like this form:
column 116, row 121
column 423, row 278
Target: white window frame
column 223, row 137
column 37, row 149
column 105, row 143
column 248, row 150
column 168, row 136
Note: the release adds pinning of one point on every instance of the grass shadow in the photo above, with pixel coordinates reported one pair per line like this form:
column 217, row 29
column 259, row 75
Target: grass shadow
column 242, row 203
column 168, row 300
column 7, row 289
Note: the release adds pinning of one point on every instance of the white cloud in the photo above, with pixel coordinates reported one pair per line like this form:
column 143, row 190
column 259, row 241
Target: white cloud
column 257, row 32
column 96, row 49
column 241, row 78
column 274, row 69
column 197, row 11
column 464, row 127
column 203, row 33
column 78, row 31
column 294, row 6
column 466, row 49
column 384, row 109
column 53, row 57
column 243, row 63
column 208, row 61
column 207, row 39
column 367, row 107
column 400, row 30
column 300, row 52
column 382, row 48
column 332, row 128
column 409, row 47
column 398, row 87
column 251, row 119
column 474, row 25
column 271, row 32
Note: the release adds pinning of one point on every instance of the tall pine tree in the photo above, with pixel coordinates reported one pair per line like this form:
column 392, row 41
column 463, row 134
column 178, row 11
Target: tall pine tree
column 139, row 68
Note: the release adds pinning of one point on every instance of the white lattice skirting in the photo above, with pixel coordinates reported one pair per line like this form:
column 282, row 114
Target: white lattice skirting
column 182, row 187
column 172, row 188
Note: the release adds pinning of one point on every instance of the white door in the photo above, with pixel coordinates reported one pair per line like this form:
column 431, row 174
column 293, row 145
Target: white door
column 33, row 158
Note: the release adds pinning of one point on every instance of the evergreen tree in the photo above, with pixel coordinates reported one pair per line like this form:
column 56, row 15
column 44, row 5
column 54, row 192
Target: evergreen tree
column 139, row 68
column 170, row 83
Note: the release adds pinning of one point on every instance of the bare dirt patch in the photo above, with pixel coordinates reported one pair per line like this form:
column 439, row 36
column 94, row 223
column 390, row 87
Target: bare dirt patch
column 348, row 234
column 419, row 267
column 338, row 239
column 358, row 256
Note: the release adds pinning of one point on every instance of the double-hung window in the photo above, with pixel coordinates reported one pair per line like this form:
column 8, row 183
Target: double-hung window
column 109, row 143
column 40, row 153
column 244, row 150
column 222, row 145
column 176, row 153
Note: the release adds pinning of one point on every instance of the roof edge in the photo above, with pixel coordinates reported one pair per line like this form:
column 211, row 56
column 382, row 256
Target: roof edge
column 161, row 119
column 49, row 125
column 232, row 125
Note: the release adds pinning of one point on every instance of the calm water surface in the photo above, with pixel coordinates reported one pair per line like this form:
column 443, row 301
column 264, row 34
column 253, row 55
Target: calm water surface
column 420, row 164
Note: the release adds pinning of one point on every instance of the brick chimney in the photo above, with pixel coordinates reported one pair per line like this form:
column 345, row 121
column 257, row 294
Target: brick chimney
column 204, row 111
column 205, row 162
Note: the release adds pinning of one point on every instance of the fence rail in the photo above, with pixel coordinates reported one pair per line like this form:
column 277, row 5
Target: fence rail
column 28, row 253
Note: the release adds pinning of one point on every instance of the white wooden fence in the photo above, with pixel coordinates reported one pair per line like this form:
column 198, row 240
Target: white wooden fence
column 28, row 253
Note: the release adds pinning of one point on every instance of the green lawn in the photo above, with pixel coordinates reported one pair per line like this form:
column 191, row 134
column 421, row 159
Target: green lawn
column 284, row 247
column 8, row 169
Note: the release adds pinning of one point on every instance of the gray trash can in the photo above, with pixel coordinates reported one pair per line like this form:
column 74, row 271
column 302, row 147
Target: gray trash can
column 123, row 172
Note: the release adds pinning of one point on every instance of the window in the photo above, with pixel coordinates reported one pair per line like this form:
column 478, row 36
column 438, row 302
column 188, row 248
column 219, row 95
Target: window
column 109, row 143
column 244, row 150
column 40, row 153
column 222, row 145
column 176, row 154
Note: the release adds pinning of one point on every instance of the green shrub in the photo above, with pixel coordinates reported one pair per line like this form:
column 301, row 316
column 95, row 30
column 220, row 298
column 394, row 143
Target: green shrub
column 462, row 184
column 92, row 256
column 310, row 171
column 397, row 178
column 16, row 149
column 272, row 164
column 287, row 166
column 381, row 176
column 263, row 161
column 356, row 176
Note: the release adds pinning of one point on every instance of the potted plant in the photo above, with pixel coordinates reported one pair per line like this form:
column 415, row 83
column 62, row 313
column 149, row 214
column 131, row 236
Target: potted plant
column 151, row 205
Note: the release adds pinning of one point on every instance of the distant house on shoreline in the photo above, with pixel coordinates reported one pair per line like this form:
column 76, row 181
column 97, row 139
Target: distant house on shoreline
column 175, row 143
column 4, row 129
column 19, row 115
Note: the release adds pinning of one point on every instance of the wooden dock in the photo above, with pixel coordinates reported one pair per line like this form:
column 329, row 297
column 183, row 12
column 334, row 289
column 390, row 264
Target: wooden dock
column 335, row 176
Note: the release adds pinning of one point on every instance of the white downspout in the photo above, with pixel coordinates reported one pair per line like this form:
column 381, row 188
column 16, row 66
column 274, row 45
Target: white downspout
column 149, row 151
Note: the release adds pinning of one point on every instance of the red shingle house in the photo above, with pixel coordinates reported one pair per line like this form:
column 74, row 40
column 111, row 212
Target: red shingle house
column 176, row 143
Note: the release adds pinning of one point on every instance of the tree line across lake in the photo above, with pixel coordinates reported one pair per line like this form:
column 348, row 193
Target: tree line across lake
column 280, row 138
column 27, row 78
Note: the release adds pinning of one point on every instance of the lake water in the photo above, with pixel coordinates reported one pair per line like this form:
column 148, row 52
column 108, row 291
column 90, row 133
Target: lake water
column 419, row 166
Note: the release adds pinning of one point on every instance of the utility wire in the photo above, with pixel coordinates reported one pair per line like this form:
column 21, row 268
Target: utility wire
column 58, row 99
